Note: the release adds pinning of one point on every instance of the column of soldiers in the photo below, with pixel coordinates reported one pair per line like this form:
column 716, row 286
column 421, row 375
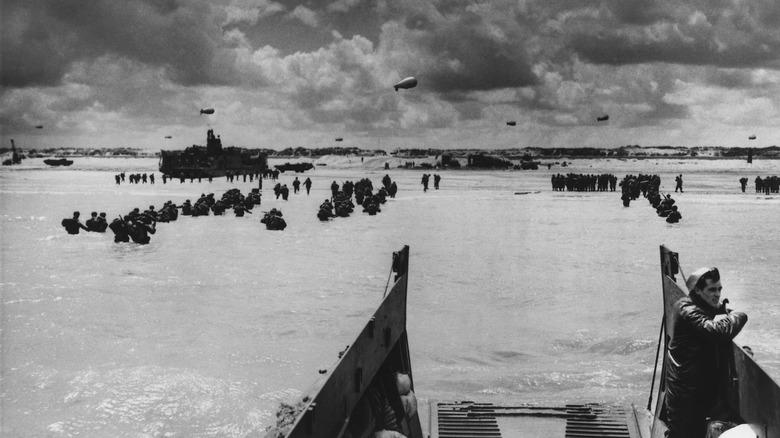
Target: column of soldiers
column 577, row 182
column 632, row 186
column 766, row 185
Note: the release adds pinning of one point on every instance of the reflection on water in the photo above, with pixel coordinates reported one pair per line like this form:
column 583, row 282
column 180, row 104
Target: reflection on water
column 545, row 296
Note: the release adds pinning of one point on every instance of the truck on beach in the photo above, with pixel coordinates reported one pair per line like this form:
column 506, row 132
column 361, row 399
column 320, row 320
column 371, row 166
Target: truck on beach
column 369, row 392
column 212, row 160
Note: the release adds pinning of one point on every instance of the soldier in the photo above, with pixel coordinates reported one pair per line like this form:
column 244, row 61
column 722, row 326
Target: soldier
column 679, row 183
column 73, row 225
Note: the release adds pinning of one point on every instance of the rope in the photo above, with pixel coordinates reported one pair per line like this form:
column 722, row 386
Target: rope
column 388, row 280
column 679, row 266
column 655, row 367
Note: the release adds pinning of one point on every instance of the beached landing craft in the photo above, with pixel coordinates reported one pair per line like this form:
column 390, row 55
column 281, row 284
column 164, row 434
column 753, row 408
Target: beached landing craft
column 372, row 381
column 212, row 160
column 58, row 162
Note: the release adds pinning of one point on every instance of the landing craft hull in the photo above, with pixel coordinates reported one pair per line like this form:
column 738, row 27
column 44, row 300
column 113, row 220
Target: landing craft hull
column 381, row 347
column 751, row 394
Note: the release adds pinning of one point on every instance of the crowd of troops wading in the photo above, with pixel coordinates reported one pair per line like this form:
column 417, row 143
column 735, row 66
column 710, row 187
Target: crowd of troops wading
column 143, row 178
column 577, row 182
column 340, row 203
column 138, row 226
column 426, row 177
column 632, row 186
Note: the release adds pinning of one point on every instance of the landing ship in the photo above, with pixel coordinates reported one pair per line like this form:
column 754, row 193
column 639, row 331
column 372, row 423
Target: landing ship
column 212, row 160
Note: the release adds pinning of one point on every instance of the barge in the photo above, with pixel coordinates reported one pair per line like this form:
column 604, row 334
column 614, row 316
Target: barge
column 373, row 378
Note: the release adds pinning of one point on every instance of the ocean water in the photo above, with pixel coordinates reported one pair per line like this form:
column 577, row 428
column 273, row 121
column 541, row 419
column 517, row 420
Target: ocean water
column 539, row 297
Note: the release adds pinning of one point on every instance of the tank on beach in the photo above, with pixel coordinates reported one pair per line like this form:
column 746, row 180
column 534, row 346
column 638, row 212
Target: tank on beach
column 212, row 160
column 370, row 390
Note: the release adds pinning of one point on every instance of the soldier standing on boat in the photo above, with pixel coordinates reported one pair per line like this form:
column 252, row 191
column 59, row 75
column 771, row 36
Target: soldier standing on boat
column 703, row 329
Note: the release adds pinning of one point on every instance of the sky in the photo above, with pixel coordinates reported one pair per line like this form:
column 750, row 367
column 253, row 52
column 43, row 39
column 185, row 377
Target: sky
column 128, row 73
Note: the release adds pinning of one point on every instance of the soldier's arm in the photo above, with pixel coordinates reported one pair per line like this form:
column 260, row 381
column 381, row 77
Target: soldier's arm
column 724, row 327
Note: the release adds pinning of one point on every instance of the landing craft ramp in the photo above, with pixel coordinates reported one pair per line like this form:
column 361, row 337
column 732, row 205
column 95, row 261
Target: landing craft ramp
column 486, row 420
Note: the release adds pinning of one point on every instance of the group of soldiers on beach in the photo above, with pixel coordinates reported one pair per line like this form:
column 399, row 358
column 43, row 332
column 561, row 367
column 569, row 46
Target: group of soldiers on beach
column 426, row 178
column 284, row 191
column 143, row 178
column 134, row 178
column 766, row 185
column 578, row 182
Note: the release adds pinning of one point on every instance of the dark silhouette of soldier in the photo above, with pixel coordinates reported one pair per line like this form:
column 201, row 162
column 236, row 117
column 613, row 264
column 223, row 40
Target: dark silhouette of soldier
column 296, row 185
column 307, row 184
column 72, row 225
column 679, row 182
column 120, row 228
column 102, row 223
column 140, row 231
column 743, row 182
column 93, row 223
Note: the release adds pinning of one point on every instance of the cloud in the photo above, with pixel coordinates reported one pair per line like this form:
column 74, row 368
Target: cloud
column 719, row 33
column 305, row 15
column 45, row 38
column 250, row 11
column 342, row 6
column 303, row 69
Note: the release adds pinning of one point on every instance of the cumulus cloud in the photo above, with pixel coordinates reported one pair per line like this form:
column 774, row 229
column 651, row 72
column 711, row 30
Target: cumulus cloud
column 342, row 5
column 45, row 38
column 250, row 11
column 305, row 15
column 719, row 33
column 284, row 67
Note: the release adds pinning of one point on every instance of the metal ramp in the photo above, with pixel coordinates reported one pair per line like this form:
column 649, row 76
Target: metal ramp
column 468, row 419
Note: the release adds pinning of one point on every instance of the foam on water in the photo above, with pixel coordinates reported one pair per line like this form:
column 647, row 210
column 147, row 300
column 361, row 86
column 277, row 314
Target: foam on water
column 542, row 297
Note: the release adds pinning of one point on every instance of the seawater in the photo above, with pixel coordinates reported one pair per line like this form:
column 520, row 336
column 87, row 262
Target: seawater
column 540, row 297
